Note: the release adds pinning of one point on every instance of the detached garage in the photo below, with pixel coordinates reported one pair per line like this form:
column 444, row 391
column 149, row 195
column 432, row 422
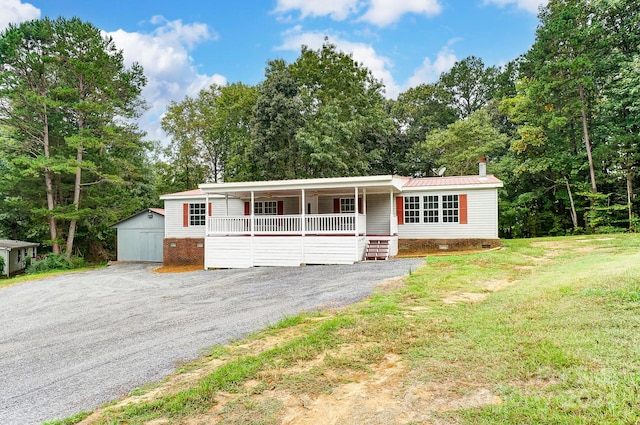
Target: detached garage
column 140, row 236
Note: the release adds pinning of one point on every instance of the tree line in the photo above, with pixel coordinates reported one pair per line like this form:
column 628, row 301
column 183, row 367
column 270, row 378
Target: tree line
column 559, row 125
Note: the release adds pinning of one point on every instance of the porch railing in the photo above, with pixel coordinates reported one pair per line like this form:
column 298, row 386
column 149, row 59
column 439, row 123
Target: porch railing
column 317, row 224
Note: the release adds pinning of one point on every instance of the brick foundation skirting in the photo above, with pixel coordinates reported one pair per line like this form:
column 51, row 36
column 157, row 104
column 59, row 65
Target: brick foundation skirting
column 426, row 246
column 183, row 251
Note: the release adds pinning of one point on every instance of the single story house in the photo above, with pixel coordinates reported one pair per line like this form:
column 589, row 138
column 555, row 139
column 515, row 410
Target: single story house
column 329, row 220
column 15, row 254
column 140, row 236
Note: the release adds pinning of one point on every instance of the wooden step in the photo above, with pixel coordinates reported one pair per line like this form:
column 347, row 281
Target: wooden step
column 377, row 250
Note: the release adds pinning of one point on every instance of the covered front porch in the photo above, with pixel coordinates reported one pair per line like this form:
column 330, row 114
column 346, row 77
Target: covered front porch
column 294, row 222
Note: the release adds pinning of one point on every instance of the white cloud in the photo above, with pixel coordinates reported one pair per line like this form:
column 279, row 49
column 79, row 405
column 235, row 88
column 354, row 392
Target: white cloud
column 377, row 12
column 386, row 12
column 362, row 53
column 530, row 6
column 429, row 71
column 14, row 12
column 168, row 66
column 336, row 9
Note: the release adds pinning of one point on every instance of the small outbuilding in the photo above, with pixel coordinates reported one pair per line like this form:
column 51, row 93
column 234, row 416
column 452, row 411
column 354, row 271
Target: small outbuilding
column 140, row 236
column 15, row 254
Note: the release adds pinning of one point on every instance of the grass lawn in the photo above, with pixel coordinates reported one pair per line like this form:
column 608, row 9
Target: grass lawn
column 544, row 331
column 6, row 282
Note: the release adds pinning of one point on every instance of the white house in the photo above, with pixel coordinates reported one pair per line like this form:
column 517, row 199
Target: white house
column 329, row 220
column 16, row 255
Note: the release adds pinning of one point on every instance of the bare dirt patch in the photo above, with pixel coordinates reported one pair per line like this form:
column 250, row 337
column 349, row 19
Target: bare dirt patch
column 381, row 397
column 488, row 287
column 178, row 269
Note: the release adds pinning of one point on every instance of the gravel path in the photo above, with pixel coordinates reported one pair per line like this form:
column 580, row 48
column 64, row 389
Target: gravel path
column 72, row 342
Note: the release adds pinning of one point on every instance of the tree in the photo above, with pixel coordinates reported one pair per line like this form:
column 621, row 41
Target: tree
column 470, row 85
column 187, row 123
column 345, row 126
column 417, row 112
column 69, row 100
column 617, row 122
column 321, row 116
column 275, row 152
column 562, row 63
column 233, row 126
column 459, row 146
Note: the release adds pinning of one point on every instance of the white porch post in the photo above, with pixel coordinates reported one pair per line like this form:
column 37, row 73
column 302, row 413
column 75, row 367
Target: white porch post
column 207, row 226
column 355, row 207
column 392, row 211
column 253, row 223
column 303, row 227
column 355, row 222
column 226, row 205
column 364, row 206
column 304, row 213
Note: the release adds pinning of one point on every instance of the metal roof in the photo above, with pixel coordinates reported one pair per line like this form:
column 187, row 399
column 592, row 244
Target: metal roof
column 159, row 211
column 453, row 181
column 13, row 244
column 332, row 185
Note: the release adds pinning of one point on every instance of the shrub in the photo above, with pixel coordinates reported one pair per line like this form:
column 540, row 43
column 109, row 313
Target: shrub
column 54, row 262
column 1, row 267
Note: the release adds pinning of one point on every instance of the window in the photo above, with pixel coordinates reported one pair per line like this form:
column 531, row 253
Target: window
column 431, row 209
column 197, row 214
column 347, row 205
column 450, row 208
column 412, row 209
column 265, row 208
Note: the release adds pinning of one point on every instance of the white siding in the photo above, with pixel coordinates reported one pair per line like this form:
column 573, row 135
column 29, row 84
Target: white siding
column 330, row 250
column 277, row 251
column 236, row 251
column 173, row 219
column 227, row 252
column 482, row 218
column 173, row 210
column 236, row 207
column 378, row 214
column 291, row 205
column 325, row 205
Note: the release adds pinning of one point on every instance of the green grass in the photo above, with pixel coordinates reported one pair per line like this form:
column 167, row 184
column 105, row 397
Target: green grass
column 6, row 282
column 556, row 337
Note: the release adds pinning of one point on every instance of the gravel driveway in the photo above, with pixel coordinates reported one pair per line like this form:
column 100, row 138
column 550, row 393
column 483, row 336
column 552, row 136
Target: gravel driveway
column 72, row 342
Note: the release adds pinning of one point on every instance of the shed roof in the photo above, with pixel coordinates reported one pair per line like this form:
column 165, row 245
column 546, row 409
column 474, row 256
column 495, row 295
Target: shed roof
column 159, row 211
column 10, row 244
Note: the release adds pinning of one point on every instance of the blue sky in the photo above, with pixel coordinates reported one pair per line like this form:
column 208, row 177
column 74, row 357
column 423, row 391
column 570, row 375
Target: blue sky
column 184, row 46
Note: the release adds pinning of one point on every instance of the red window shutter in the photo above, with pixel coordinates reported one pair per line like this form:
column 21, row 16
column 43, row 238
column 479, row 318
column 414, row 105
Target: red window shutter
column 280, row 207
column 247, row 209
column 359, row 205
column 210, row 209
column 185, row 215
column 336, row 205
column 400, row 209
column 462, row 203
